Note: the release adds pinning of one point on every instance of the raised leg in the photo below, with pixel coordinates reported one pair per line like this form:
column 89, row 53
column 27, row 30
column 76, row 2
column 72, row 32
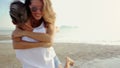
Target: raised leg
column 69, row 62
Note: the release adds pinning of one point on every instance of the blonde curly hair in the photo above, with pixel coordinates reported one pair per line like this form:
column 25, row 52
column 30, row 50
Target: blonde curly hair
column 49, row 15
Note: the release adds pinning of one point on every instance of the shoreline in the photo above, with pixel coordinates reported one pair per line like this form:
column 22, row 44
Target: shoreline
column 85, row 55
column 82, row 54
column 7, row 39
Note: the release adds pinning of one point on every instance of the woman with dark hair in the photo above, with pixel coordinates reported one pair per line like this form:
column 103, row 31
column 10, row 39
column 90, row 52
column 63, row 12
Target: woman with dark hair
column 33, row 39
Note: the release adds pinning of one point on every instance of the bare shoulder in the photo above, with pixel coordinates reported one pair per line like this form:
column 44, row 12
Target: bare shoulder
column 50, row 28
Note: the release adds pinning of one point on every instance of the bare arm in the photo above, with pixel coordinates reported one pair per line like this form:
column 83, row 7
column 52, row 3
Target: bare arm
column 28, row 45
column 19, row 44
column 45, row 37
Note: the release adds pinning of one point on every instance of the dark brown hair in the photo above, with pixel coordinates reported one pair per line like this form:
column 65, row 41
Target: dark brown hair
column 18, row 12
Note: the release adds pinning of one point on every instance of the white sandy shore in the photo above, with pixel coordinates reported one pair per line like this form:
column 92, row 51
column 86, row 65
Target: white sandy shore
column 84, row 55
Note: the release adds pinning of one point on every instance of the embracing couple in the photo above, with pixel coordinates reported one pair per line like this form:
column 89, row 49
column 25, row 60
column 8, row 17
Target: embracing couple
column 34, row 34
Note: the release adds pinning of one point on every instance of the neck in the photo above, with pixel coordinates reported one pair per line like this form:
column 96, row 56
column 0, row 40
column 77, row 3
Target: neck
column 35, row 23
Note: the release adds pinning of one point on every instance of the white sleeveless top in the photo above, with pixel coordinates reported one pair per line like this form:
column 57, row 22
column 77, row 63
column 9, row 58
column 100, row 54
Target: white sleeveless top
column 36, row 57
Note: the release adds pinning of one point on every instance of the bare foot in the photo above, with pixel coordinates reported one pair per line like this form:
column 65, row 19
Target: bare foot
column 69, row 61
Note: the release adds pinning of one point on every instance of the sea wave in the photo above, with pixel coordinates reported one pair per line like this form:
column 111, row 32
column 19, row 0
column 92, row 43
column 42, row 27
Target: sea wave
column 74, row 34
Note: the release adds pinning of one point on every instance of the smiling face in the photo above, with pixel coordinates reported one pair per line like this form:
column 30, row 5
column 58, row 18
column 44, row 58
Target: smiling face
column 36, row 7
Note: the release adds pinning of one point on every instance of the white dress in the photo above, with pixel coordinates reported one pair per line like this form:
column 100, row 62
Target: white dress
column 36, row 57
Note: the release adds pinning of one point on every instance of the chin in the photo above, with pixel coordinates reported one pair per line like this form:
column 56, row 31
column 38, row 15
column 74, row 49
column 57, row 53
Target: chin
column 38, row 18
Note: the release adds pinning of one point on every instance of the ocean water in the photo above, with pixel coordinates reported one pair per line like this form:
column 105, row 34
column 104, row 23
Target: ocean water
column 74, row 34
column 6, row 31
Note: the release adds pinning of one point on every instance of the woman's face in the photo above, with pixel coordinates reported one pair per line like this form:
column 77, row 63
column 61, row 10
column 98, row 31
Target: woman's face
column 36, row 9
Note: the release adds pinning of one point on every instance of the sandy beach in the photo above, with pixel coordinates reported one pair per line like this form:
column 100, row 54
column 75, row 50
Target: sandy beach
column 84, row 55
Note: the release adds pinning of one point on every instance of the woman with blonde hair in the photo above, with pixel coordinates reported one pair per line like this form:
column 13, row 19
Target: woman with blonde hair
column 33, row 42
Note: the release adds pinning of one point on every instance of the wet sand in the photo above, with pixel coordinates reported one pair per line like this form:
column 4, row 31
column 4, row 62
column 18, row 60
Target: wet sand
column 90, row 55
column 84, row 55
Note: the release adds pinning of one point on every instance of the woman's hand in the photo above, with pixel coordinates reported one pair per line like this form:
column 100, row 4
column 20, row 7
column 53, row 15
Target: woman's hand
column 27, row 26
column 24, row 28
column 18, row 33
